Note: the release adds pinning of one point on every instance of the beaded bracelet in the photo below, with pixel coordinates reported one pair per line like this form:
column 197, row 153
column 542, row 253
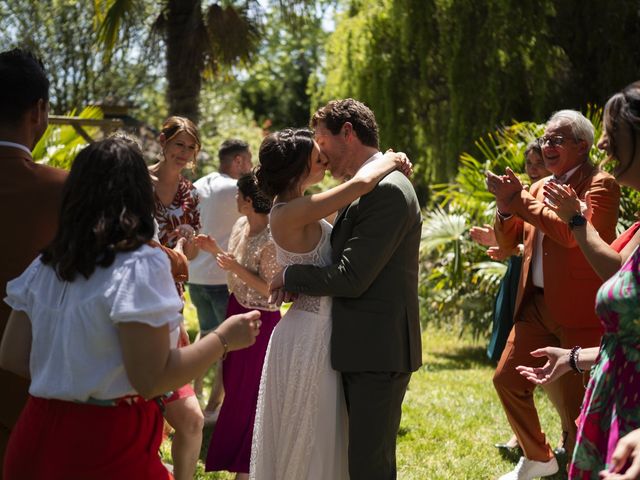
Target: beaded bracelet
column 224, row 342
column 573, row 359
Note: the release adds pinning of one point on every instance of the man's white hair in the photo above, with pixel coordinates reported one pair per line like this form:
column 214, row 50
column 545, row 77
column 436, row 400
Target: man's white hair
column 581, row 126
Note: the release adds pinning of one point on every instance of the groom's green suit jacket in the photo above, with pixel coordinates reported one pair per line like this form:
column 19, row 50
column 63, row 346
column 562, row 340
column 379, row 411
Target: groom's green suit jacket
column 373, row 281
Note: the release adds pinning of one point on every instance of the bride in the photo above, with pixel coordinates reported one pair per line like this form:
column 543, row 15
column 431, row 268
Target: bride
column 300, row 429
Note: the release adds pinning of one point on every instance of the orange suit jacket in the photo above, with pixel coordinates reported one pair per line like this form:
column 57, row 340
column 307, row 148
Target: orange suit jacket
column 570, row 284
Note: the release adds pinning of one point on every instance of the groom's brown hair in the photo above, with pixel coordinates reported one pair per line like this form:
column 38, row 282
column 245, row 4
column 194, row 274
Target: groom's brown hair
column 338, row 112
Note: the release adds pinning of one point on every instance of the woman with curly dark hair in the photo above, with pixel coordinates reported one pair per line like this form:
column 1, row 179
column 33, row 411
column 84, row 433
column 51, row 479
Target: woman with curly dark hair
column 94, row 325
column 250, row 264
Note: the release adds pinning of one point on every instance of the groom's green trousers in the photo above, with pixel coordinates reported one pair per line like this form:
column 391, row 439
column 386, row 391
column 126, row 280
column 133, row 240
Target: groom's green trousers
column 374, row 403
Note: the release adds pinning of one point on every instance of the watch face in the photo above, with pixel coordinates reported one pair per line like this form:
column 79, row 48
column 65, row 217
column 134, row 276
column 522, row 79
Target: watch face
column 577, row 221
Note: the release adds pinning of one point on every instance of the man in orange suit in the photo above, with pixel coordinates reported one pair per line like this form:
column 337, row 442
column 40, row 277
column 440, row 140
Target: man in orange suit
column 30, row 196
column 556, row 294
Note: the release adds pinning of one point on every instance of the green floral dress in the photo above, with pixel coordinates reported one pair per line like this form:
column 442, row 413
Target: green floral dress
column 611, row 408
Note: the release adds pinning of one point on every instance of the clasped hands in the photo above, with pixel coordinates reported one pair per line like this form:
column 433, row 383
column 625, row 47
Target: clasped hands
column 277, row 294
column 504, row 188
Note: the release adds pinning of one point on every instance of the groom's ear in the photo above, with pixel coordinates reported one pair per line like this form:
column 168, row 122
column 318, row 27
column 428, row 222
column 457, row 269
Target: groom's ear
column 347, row 130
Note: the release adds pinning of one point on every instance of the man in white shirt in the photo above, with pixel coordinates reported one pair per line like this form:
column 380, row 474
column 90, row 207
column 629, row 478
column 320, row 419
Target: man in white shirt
column 207, row 281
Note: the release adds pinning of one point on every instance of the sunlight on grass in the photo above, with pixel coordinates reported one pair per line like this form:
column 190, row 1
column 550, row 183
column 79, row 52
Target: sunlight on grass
column 451, row 414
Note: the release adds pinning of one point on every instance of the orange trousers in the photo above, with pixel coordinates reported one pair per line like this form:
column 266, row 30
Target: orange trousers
column 534, row 328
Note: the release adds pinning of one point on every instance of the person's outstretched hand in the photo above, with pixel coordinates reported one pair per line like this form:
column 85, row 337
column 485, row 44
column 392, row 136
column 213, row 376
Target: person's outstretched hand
column 241, row 330
column 556, row 366
column 484, row 235
column 627, row 450
column 208, row 244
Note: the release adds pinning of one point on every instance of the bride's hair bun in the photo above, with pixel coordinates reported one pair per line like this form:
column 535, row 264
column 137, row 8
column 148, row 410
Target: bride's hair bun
column 284, row 159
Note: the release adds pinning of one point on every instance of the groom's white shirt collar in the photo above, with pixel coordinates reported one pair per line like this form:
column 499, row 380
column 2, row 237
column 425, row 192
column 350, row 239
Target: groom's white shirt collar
column 15, row 145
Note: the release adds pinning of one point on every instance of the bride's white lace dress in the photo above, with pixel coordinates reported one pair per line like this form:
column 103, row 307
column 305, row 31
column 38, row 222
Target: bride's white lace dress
column 300, row 430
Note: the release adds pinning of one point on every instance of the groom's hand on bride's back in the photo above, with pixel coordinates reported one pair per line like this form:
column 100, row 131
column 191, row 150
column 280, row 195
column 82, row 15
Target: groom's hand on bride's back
column 277, row 293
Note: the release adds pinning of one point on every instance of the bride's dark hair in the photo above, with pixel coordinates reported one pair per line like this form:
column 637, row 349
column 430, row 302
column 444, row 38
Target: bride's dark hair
column 284, row 159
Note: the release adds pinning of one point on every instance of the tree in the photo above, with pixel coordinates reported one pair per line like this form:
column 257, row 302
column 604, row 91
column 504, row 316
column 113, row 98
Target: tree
column 439, row 73
column 200, row 39
column 277, row 84
column 61, row 33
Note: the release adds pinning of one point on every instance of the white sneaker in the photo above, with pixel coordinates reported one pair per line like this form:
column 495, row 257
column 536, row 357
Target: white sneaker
column 529, row 469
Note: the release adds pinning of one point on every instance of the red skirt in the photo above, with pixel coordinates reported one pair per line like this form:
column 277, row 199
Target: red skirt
column 55, row 439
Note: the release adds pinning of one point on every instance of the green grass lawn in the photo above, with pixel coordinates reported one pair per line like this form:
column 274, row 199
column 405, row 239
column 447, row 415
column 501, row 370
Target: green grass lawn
column 451, row 415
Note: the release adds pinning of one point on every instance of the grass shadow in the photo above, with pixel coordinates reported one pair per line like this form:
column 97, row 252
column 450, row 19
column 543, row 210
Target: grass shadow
column 461, row 359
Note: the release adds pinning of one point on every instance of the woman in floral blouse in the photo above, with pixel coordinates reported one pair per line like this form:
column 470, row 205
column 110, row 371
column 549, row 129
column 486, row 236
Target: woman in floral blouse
column 176, row 205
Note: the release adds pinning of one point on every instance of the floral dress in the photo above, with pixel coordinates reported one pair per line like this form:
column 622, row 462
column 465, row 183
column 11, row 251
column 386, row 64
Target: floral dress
column 611, row 407
column 182, row 210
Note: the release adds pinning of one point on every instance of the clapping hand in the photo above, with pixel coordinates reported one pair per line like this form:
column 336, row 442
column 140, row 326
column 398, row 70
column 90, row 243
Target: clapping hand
column 484, row 235
column 208, row 244
column 564, row 201
column 498, row 253
column 487, row 236
column 556, row 366
column 504, row 187
column 227, row 261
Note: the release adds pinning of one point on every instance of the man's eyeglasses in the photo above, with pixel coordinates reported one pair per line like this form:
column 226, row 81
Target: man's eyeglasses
column 552, row 140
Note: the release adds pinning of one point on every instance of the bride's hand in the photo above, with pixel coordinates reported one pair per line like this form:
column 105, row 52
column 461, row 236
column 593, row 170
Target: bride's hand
column 402, row 162
column 374, row 171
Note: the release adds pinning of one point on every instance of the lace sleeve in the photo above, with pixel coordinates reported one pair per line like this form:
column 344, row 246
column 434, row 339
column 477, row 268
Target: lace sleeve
column 268, row 267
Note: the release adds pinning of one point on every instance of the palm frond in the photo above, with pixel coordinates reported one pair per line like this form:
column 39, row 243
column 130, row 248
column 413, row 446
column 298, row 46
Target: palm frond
column 110, row 15
column 440, row 228
column 59, row 145
column 488, row 274
column 232, row 33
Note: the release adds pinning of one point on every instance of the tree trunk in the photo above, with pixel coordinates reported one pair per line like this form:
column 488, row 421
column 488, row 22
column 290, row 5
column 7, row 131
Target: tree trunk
column 185, row 57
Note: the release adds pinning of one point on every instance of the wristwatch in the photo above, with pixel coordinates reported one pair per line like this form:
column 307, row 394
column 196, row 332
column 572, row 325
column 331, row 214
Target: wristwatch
column 577, row 220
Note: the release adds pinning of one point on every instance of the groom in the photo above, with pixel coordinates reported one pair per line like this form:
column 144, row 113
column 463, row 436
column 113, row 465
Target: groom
column 373, row 280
